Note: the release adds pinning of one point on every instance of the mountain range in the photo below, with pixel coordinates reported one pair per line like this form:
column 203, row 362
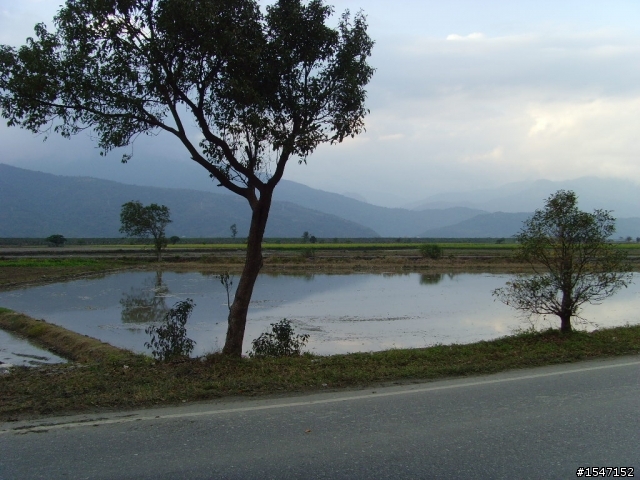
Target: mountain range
column 620, row 196
column 35, row 204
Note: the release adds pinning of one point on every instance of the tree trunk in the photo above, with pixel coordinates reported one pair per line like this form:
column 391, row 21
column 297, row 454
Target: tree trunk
column 565, row 323
column 252, row 266
column 157, row 245
column 565, row 313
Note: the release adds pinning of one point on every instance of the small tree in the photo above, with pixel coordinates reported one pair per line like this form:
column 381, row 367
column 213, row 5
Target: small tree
column 305, row 237
column 313, row 239
column 140, row 221
column 234, row 230
column 431, row 250
column 572, row 261
column 227, row 282
column 170, row 340
column 281, row 341
column 56, row 240
column 175, row 239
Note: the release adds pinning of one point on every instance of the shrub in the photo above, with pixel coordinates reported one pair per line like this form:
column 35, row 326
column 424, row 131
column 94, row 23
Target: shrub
column 308, row 253
column 431, row 250
column 279, row 342
column 56, row 240
column 169, row 340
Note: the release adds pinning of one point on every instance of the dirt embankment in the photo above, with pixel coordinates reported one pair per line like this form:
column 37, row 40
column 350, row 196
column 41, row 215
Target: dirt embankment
column 64, row 343
column 41, row 266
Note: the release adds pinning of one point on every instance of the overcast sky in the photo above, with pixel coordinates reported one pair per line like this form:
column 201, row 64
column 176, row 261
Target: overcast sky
column 467, row 94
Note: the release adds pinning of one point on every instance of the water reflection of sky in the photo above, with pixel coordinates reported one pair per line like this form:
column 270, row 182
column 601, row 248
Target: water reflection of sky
column 15, row 351
column 341, row 313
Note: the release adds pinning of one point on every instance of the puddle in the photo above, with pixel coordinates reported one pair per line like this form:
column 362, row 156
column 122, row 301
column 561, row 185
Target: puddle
column 16, row 351
column 341, row 313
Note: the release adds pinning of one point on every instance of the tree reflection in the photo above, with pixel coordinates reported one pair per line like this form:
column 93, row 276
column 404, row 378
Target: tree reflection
column 430, row 278
column 435, row 278
column 145, row 304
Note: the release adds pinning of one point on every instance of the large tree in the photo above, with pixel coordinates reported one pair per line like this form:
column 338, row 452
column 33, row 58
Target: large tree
column 261, row 88
column 142, row 221
column 572, row 259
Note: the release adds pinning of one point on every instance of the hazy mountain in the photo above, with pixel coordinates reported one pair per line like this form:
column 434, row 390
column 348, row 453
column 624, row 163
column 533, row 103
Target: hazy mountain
column 34, row 204
column 621, row 196
column 388, row 222
column 488, row 225
column 500, row 224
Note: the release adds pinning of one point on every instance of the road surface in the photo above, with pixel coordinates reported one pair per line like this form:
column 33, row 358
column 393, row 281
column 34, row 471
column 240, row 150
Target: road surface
column 538, row 423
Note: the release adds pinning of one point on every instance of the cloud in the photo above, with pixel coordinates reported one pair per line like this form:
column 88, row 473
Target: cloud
column 534, row 91
column 471, row 36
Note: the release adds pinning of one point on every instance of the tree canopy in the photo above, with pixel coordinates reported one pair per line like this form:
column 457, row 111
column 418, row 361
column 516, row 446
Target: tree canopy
column 56, row 240
column 572, row 259
column 260, row 87
column 140, row 221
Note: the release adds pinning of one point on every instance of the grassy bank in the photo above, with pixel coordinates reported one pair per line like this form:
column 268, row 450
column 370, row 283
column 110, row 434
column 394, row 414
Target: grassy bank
column 118, row 379
column 25, row 271
column 21, row 271
column 64, row 343
column 30, row 267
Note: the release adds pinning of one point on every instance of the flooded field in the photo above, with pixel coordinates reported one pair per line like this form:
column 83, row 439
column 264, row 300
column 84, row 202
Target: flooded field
column 341, row 313
column 15, row 351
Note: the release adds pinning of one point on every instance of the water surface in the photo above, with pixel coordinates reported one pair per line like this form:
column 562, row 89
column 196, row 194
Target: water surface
column 16, row 351
column 341, row 313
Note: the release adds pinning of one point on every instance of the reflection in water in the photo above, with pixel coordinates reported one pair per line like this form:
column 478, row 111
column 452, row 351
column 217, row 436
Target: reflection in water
column 430, row 278
column 304, row 276
column 435, row 278
column 16, row 351
column 145, row 304
column 342, row 313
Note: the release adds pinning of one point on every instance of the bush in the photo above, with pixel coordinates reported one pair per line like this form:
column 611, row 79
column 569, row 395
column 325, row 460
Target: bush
column 280, row 342
column 55, row 240
column 169, row 340
column 308, row 253
column 431, row 250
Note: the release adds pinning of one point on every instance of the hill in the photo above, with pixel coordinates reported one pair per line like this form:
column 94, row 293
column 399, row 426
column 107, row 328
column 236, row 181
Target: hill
column 35, row 204
column 501, row 224
column 387, row 222
column 620, row 196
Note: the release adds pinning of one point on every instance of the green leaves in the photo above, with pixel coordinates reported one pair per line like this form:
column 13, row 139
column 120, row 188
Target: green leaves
column 572, row 259
column 259, row 88
column 140, row 221
column 281, row 341
column 169, row 340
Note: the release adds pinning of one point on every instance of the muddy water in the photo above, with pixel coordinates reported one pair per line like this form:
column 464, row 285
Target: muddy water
column 341, row 313
column 15, row 351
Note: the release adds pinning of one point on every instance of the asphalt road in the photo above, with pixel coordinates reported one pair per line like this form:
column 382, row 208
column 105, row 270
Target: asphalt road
column 539, row 423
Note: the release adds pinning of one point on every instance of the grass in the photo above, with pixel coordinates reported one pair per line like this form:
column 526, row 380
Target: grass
column 288, row 259
column 23, row 271
column 351, row 246
column 55, row 262
column 59, row 340
column 119, row 379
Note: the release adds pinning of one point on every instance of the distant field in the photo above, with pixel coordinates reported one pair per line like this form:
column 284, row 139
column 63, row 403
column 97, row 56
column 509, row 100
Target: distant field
column 452, row 247
column 53, row 262
column 347, row 246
